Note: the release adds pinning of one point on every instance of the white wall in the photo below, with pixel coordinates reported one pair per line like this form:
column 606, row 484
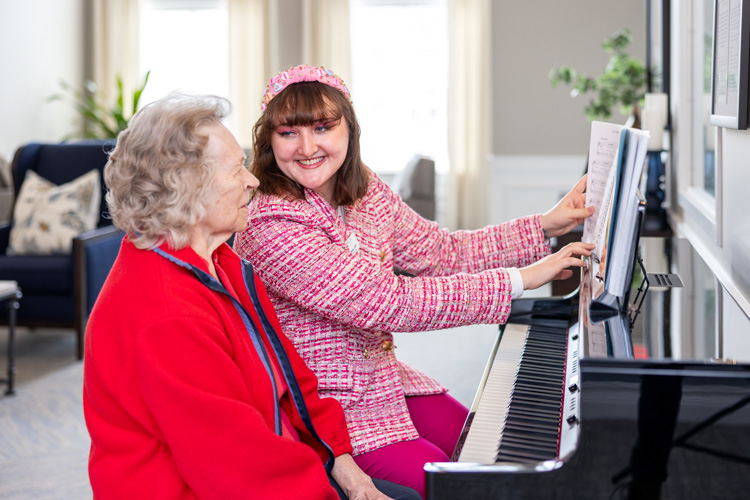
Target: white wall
column 42, row 42
column 529, row 184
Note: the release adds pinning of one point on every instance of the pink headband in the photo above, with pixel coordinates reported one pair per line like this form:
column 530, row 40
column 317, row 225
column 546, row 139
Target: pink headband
column 302, row 73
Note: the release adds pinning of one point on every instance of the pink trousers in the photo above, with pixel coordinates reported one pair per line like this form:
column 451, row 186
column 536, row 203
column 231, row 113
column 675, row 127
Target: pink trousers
column 439, row 420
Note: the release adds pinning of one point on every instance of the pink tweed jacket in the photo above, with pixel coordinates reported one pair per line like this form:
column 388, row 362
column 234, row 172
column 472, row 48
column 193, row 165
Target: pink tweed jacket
column 338, row 299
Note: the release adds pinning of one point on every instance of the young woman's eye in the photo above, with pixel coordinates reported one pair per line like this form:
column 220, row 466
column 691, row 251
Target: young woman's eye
column 285, row 133
column 322, row 127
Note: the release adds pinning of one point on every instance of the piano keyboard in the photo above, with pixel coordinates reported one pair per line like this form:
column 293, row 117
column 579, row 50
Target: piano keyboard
column 522, row 409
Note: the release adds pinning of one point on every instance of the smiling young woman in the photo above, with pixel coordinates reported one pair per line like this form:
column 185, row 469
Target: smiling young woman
column 326, row 235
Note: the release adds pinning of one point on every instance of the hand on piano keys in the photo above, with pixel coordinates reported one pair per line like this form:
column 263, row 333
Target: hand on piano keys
column 555, row 266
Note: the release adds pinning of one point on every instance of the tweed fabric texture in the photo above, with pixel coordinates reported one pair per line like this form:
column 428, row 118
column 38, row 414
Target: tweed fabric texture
column 338, row 301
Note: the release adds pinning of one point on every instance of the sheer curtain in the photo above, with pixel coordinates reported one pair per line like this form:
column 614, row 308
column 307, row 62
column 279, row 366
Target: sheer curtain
column 113, row 46
column 249, row 63
column 326, row 38
column 469, row 113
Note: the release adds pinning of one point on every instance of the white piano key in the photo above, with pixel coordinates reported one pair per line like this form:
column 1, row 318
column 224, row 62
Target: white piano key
column 485, row 434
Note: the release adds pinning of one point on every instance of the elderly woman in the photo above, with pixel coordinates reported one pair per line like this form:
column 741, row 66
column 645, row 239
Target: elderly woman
column 326, row 235
column 190, row 389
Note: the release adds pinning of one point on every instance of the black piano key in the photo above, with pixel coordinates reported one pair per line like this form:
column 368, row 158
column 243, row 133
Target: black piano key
column 530, row 429
column 534, row 437
column 529, row 446
column 540, row 409
column 522, row 399
column 532, row 420
column 515, row 453
column 535, row 387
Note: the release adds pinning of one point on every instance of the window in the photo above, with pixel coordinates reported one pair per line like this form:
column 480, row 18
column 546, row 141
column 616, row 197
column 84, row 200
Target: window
column 400, row 81
column 699, row 175
column 704, row 174
column 184, row 44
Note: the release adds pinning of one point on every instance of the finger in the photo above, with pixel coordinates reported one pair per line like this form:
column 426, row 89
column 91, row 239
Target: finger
column 583, row 244
column 581, row 213
column 574, row 252
column 577, row 252
column 563, row 275
column 579, row 244
column 580, row 186
column 574, row 262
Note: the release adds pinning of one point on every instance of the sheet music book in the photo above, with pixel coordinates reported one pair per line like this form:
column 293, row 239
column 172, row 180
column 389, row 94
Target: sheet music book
column 616, row 158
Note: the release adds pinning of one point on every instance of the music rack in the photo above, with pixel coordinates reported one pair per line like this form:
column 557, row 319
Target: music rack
column 660, row 280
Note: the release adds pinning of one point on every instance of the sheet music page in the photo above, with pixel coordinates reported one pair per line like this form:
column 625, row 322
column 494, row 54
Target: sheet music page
column 600, row 183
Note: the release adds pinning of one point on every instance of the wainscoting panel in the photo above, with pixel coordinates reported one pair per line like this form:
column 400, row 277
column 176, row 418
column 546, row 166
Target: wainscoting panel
column 524, row 185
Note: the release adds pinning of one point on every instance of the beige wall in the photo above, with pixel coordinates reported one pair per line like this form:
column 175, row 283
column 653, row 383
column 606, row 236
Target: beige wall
column 529, row 38
column 42, row 42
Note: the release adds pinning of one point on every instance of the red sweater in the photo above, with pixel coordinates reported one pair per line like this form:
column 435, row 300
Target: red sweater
column 176, row 399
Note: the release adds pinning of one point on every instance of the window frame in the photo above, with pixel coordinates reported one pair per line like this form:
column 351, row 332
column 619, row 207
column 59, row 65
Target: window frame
column 698, row 205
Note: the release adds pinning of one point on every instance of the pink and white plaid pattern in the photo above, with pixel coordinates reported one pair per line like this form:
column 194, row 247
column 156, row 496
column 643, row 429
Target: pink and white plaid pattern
column 339, row 307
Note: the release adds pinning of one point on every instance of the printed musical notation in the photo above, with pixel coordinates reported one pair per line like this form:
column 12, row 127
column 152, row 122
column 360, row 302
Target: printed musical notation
column 605, row 139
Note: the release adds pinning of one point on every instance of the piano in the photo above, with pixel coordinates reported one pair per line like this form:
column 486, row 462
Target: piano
column 623, row 408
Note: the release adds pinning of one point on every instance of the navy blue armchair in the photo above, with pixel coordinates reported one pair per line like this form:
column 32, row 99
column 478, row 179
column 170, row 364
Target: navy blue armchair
column 60, row 290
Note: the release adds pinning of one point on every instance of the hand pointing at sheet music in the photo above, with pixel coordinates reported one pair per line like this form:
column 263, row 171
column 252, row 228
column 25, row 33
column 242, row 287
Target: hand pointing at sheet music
column 555, row 266
column 568, row 213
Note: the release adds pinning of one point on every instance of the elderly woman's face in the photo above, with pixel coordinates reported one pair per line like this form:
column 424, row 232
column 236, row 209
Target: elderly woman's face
column 231, row 184
column 312, row 154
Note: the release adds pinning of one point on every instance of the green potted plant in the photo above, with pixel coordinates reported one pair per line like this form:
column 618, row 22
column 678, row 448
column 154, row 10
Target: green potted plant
column 100, row 120
column 623, row 82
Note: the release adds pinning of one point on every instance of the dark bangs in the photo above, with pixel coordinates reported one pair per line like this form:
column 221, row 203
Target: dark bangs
column 303, row 104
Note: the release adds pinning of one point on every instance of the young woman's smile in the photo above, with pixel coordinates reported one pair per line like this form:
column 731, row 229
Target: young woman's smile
column 311, row 163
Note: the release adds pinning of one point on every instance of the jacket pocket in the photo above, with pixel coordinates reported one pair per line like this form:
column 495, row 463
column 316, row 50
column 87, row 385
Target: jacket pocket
column 346, row 383
column 333, row 376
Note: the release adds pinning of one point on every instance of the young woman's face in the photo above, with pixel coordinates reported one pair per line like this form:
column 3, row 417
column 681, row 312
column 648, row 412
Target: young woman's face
column 312, row 154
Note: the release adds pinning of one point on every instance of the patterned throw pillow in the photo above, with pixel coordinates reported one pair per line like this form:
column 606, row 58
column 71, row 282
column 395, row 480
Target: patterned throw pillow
column 47, row 217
